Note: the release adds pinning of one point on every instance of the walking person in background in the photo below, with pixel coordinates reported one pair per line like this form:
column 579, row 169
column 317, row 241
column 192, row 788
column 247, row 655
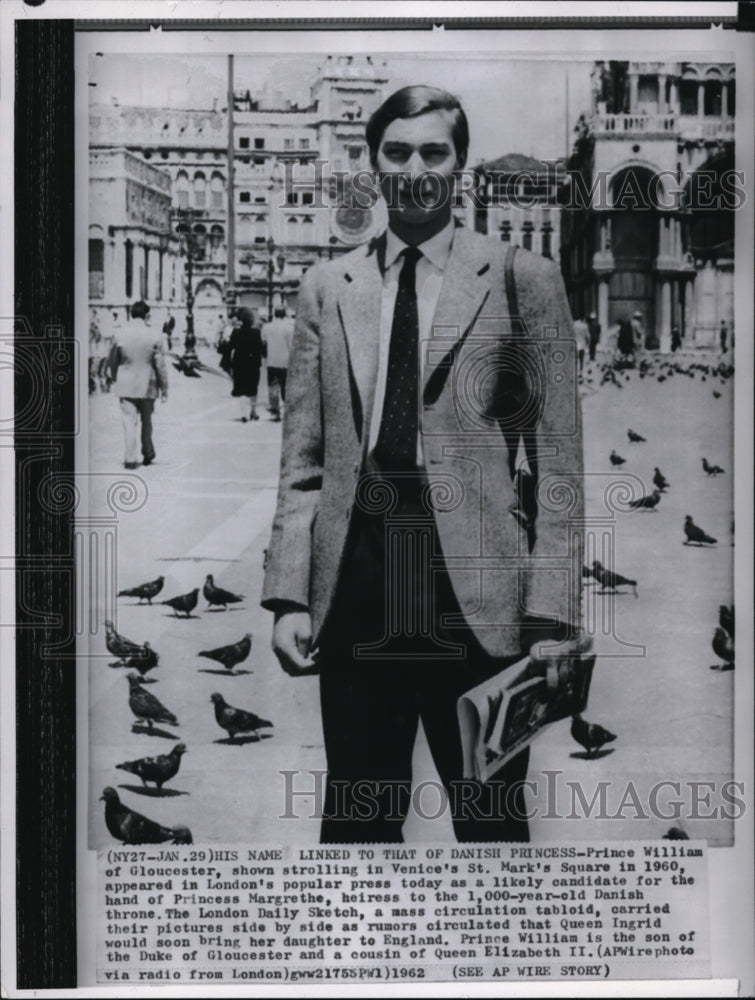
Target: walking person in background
column 277, row 335
column 594, row 326
column 168, row 327
column 582, row 337
column 723, row 335
column 246, row 361
column 137, row 365
column 96, row 374
column 676, row 340
column 626, row 341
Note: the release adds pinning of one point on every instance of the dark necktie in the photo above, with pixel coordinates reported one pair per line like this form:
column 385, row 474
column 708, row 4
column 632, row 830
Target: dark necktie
column 396, row 448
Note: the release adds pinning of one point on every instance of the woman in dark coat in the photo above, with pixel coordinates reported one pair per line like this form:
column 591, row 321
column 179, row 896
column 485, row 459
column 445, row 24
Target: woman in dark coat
column 246, row 361
column 626, row 338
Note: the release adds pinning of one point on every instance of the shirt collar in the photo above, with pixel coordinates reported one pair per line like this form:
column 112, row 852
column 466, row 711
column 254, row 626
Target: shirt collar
column 436, row 249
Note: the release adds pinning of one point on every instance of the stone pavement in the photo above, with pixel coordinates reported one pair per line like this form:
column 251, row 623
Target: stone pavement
column 206, row 507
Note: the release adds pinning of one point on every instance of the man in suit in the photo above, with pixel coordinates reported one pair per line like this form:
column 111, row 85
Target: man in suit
column 137, row 366
column 400, row 566
column 277, row 335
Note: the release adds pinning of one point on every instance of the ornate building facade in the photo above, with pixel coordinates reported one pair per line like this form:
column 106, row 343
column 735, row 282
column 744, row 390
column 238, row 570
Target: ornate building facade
column 516, row 199
column 285, row 205
column 648, row 219
column 133, row 252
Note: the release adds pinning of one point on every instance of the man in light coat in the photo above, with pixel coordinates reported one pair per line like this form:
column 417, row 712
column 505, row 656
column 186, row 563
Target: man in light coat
column 137, row 365
column 277, row 336
column 427, row 368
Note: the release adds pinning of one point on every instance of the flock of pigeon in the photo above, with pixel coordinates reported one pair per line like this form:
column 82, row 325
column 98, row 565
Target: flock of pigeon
column 124, row 823
column 591, row 735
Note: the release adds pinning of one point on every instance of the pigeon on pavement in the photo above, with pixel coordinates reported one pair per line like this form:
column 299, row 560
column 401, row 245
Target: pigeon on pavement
column 648, row 502
column 130, row 827
column 696, row 535
column 158, row 769
column 611, row 581
column 231, row 655
column 675, row 833
column 184, row 602
column 216, row 595
column 726, row 618
column 119, row 645
column 617, row 459
column 145, row 660
column 145, row 706
column 589, row 734
column 634, row 437
column 660, row 480
column 145, row 591
column 723, row 647
column 712, row 470
column 236, row 720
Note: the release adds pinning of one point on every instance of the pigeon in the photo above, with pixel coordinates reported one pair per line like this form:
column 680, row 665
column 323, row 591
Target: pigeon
column 145, row 660
column 184, row 602
column 660, row 480
column 158, row 769
column 723, row 647
column 634, row 437
column 229, row 656
column 647, row 502
column 716, row 394
column 696, row 535
column 131, row 827
column 216, row 595
column 265, row 558
column 236, row 720
column 119, row 645
column 611, row 581
column 712, row 470
column 726, row 618
column 145, row 591
column 145, row 706
column 675, row 833
column 617, row 459
column 589, row 734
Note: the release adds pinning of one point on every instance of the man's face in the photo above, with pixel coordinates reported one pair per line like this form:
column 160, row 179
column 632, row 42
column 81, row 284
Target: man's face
column 415, row 163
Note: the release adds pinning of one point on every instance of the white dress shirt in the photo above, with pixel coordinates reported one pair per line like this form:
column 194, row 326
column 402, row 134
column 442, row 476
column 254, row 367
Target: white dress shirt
column 428, row 281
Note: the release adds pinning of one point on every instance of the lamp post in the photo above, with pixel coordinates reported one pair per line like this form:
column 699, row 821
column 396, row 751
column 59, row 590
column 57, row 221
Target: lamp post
column 184, row 229
column 270, row 274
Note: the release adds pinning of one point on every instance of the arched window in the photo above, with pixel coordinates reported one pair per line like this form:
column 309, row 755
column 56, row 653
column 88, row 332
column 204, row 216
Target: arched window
column 200, row 190
column 200, row 241
column 307, row 229
column 96, row 269
column 182, row 189
column 216, row 190
column 216, row 239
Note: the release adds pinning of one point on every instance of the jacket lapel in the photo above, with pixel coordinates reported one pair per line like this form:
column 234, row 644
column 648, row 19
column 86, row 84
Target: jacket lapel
column 466, row 285
column 359, row 302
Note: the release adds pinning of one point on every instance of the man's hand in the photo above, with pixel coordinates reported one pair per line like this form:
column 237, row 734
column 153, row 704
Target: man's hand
column 292, row 639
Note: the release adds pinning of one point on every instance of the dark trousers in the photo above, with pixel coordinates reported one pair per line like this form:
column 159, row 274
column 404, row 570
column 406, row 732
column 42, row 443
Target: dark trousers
column 388, row 659
column 276, row 384
column 136, row 413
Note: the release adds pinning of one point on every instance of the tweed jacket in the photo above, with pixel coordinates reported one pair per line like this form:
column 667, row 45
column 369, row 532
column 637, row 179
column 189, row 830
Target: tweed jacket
column 136, row 362
column 498, row 392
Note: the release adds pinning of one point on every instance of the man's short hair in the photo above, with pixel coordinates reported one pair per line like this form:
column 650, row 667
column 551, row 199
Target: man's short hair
column 410, row 102
column 139, row 309
column 280, row 312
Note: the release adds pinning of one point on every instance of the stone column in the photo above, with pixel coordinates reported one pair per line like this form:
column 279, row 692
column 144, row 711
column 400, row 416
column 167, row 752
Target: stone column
column 689, row 312
column 632, row 91
column 674, row 96
column 664, row 327
column 725, row 99
column 662, row 104
column 700, row 99
column 603, row 307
